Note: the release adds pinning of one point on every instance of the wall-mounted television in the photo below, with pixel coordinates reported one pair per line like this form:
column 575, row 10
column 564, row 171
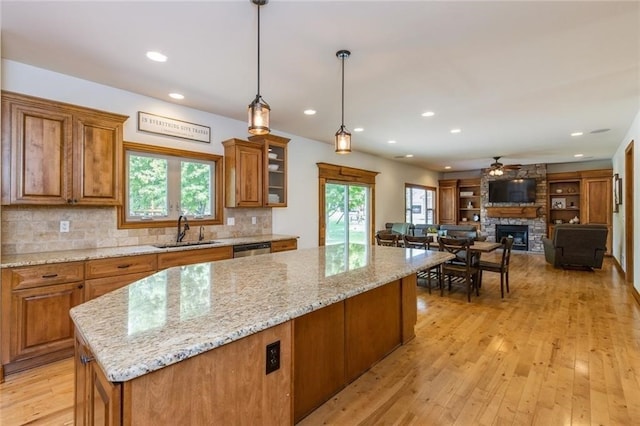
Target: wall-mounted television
column 512, row 191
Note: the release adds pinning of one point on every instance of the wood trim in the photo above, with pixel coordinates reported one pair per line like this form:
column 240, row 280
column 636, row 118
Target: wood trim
column 629, row 213
column 346, row 174
column 636, row 295
column 409, row 289
column 580, row 174
column 528, row 212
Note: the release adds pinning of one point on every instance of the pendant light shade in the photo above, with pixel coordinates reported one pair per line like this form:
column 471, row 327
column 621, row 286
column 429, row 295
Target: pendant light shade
column 258, row 109
column 343, row 137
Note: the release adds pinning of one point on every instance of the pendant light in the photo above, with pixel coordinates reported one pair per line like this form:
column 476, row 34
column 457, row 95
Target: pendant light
column 343, row 137
column 259, row 109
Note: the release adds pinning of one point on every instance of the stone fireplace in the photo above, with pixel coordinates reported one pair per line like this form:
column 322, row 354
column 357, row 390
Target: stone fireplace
column 535, row 225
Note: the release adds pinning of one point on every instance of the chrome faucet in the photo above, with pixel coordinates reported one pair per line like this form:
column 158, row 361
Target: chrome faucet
column 201, row 234
column 182, row 229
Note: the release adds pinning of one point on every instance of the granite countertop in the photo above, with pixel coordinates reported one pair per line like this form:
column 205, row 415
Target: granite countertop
column 181, row 312
column 31, row 259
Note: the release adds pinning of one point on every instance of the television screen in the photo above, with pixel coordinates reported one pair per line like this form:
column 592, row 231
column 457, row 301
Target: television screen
column 512, row 191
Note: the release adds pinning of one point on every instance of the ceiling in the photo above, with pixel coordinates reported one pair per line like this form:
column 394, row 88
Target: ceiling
column 516, row 77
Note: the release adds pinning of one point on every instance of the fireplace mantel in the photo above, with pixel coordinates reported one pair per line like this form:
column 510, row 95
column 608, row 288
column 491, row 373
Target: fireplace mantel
column 522, row 212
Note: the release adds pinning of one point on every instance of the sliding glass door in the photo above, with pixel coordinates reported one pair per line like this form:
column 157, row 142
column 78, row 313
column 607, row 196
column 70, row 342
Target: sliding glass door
column 347, row 213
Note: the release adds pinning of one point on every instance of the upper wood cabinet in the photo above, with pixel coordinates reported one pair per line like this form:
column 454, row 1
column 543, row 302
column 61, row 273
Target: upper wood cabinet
column 56, row 153
column 274, row 152
column 447, row 201
column 256, row 171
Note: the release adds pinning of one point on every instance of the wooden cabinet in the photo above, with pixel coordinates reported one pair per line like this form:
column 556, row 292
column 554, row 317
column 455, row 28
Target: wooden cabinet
column 256, row 172
column 284, row 245
column 36, row 327
column 243, row 170
column 587, row 195
column 459, row 201
column 188, row 257
column 469, row 201
column 97, row 401
column 447, row 201
column 274, row 150
column 55, row 153
column 105, row 275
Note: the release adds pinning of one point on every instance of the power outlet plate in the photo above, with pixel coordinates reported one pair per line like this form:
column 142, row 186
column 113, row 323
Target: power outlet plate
column 253, row 220
column 273, row 357
column 64, row 226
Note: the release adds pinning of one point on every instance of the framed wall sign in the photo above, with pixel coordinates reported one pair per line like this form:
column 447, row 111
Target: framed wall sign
column 171, row 127
column 617, row 192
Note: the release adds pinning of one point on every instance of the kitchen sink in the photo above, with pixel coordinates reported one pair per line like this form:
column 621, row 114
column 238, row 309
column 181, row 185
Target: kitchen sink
column 186, row 244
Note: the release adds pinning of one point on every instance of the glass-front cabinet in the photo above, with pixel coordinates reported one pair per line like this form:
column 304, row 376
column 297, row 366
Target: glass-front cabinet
column 275, row 169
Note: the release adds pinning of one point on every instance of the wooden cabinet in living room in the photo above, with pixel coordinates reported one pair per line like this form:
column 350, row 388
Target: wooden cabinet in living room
column 447, row 201
column 469, row 202
column 36, row 327
column 586, row 195
column 55, row 153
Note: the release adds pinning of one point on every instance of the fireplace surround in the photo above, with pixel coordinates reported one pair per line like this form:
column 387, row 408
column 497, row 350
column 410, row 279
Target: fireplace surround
column 520, row 234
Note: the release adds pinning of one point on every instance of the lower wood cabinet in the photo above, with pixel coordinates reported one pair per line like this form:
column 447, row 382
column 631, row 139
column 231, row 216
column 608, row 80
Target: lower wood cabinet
column 97, row 400
column 36, row 327
column 105, row 275
column 284, row 245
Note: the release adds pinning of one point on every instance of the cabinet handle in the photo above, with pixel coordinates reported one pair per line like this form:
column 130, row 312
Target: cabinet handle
column 50, row 276
column 80, row 287
column 85, row 359
column 124, row 266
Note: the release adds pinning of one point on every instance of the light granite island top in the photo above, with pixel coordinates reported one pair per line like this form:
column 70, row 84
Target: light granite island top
column 181, row 312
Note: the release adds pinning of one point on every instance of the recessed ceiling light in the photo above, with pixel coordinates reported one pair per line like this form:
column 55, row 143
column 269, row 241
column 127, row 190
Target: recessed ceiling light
column 391, row 142
column 455, row 130
column 409, row 155
column 156, row 56
column 447, row 167
column 578, row 155
column 428, row 114
column 309, row 112
column 358, row 129
column 576, row 134
column 176, row 96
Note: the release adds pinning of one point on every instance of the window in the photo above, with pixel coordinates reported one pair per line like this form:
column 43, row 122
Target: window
column 420, row 204
column 161, row 184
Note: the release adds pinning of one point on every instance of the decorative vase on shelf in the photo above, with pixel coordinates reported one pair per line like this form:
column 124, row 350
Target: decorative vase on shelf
column 469, row 205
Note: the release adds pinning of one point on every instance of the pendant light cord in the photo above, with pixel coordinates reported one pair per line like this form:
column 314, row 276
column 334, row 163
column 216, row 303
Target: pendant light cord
column 342, row 90
column 258, row 50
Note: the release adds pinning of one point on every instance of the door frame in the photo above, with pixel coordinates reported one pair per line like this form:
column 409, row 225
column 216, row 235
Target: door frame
column 628, row 212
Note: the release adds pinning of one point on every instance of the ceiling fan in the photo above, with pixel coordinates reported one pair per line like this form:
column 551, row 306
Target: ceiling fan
column 497, row 168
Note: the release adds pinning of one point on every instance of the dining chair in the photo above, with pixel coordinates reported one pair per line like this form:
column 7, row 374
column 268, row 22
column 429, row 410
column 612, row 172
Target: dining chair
column 502, row 267
column 387, row 239
column 463, row 266
column 423, row 243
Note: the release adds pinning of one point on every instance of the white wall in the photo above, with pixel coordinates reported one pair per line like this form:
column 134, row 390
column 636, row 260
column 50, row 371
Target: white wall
column 301, row 215
column 619, row 249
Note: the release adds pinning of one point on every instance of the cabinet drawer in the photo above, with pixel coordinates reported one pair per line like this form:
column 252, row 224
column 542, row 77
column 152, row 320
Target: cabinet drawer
column 283, row 245
column 120, row 265
column 188, row 257
column 100, row 286
column 42, row 275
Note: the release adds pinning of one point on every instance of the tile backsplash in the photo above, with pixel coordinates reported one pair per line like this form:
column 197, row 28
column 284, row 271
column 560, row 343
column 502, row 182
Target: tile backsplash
column 33, row 229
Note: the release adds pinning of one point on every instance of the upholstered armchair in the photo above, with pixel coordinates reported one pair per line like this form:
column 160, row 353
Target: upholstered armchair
column 576, row 246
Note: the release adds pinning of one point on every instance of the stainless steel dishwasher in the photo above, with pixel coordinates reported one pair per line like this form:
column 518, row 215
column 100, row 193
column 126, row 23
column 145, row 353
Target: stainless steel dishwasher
column 253, row 249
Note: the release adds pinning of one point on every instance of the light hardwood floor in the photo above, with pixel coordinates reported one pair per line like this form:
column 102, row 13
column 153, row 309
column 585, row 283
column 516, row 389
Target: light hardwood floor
column 563, row 348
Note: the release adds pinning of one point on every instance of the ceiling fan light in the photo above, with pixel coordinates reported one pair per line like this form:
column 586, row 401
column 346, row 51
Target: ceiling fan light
column 343, row 141
column 259, row 116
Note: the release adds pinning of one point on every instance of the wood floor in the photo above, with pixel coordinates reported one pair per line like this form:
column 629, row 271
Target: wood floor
column 563, row 348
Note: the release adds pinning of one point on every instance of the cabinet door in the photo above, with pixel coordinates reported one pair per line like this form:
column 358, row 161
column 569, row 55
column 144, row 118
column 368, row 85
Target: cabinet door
column 39, row 142
column 40, row 319
column 97, row 153
column 100, row 286
column 447, row 205
column 283, row 245
column 597, row 204
column 249, row 169
column 105, row 399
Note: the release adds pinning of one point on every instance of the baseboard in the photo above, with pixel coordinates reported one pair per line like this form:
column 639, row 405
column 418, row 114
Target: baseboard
column 618, row 267
column 636, row 295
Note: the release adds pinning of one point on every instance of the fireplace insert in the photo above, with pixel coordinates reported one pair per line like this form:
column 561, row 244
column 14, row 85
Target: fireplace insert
column 520, row 234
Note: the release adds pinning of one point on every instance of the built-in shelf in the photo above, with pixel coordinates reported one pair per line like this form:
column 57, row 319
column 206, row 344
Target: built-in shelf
column 523, row 212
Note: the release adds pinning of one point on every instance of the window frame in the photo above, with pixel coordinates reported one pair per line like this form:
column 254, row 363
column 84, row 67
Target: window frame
column 424, row 188
column 217, row 211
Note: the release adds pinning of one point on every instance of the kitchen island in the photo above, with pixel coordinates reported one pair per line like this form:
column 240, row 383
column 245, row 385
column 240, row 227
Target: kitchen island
column 259, row 340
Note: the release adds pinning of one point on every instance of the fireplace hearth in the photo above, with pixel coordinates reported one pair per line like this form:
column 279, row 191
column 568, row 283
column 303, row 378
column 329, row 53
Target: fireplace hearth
column 520, row 234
